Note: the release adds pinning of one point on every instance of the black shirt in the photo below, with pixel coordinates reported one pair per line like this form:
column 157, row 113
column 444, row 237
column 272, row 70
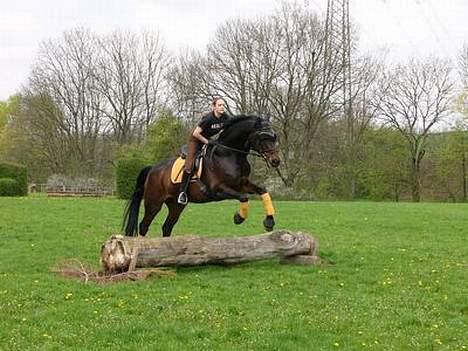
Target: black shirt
column 211, row 125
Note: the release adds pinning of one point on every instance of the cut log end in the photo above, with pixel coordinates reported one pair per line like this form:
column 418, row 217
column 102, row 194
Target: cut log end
column 122, row 254
column 115, row 255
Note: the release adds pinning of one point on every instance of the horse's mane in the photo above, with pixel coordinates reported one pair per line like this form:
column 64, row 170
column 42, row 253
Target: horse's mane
column 239, row 118
column 234, row 121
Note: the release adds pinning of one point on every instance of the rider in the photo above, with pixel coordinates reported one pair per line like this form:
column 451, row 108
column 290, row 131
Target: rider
column 204, row 133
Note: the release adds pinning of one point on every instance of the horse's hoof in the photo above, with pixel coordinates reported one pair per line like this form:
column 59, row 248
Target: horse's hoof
column 269, row 223
column 237, row 218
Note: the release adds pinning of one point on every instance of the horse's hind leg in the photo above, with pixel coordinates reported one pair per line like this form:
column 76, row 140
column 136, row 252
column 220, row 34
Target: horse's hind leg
column 175, row 210
column 151, row 210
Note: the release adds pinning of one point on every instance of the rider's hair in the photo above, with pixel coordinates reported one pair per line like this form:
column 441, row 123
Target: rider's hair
column 215, row 100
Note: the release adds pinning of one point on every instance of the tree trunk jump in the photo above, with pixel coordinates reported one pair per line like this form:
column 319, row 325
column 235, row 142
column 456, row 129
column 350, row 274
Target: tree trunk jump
column 122, row 254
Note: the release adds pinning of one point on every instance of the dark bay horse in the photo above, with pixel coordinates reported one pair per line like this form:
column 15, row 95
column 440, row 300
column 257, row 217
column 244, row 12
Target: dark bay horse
column 225, row 175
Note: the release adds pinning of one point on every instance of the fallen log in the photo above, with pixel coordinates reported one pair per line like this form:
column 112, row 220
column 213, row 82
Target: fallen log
column 122, row 254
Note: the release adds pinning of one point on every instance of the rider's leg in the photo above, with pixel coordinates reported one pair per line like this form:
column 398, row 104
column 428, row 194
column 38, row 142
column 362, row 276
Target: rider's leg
column 183, row 198
column 189, row 161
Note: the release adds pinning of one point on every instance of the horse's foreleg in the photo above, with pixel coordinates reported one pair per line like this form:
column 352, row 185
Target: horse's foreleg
column 229, row 193
column 252, row 188
column 241, row 215
column 175, row 210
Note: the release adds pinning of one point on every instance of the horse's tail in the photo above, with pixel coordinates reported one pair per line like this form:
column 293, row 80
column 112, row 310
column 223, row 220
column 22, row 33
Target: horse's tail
column 130, row 222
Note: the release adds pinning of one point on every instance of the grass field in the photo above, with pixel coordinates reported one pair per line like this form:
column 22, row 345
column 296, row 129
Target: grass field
column 399, row 281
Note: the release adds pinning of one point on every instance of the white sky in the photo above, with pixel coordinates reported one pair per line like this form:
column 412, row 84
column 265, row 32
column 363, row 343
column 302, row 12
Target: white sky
column 404, row 27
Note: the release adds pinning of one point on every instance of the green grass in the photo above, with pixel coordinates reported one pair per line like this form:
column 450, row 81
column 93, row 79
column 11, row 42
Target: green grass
column 399, row 281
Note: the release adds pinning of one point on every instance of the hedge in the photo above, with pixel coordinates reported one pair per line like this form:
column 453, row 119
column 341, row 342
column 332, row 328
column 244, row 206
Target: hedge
column 127, row 171
column 7, row 187
column 18, row 174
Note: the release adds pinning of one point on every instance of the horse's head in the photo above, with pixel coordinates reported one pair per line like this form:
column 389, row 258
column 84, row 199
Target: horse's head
column 245, row 132
column 265, row 141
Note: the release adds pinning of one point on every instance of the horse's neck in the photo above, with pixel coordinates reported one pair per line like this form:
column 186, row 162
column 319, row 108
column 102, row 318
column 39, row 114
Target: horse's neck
column 238, row 139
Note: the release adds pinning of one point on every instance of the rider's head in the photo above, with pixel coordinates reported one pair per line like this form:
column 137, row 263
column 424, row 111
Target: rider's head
column 218, row 105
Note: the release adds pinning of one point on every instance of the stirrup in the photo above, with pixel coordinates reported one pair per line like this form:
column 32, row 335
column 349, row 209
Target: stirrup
column 182, row 199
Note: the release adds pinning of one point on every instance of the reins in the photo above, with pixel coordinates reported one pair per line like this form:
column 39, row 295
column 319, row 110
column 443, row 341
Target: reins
column 254, row 153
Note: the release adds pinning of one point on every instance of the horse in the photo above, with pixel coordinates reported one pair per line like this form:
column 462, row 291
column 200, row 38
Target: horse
column 225, row 175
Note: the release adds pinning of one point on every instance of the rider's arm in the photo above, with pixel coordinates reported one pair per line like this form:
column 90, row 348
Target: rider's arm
column 197, row 134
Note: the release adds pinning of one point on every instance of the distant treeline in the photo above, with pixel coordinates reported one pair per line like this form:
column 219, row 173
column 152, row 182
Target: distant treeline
column 91, row 100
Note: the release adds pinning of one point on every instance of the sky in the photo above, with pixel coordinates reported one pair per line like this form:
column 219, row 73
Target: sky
column 402, row 28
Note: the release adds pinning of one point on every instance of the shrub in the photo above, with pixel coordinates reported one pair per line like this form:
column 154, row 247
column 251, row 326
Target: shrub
column 16, row 173
column 7, row 187
column 127, row 171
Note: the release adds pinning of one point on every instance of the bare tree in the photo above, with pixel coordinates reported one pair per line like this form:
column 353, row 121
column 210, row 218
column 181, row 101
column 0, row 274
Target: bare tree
column 366, row 71
column 155, row 64
column 106, row 91
column 189, row 85
column 130, row 75
column 64, row 71
column 463, row 60
column 414, row 98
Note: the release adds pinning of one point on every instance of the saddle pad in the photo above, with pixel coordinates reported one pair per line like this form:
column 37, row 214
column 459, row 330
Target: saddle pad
column 178, row 169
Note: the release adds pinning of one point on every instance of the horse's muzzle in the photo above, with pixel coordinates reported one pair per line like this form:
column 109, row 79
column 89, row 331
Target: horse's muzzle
column 275, row 162
column 272, row 157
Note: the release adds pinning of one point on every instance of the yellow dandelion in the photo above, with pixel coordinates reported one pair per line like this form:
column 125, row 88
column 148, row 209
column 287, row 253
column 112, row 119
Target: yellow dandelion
column 336, row 344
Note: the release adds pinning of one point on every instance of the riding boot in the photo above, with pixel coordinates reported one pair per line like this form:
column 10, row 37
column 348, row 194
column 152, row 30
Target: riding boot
column 183, row 198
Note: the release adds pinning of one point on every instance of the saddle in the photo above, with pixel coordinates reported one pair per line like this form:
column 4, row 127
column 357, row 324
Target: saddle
column 178, row 166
